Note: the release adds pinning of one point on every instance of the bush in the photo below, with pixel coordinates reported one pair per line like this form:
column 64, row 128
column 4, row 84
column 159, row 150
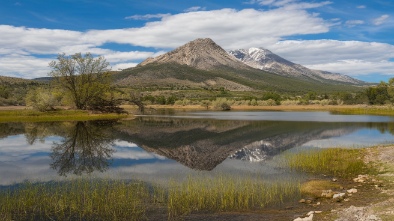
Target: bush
column 42, row 99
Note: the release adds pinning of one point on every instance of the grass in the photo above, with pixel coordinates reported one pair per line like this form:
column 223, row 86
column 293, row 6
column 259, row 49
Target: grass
column 338, row 162
column 75, row 200
column 58, row 115
column 227, row 194
column 314, row 188
column 90, row 199
column 371, row 110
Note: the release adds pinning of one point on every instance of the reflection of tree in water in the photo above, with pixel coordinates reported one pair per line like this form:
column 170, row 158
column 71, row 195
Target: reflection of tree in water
column 86, row 147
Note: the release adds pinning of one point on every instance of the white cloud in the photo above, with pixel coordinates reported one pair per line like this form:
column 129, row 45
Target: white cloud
column 352, row 23
column 290, row 4
column 380, row 20
column 195, row 8
column 147, row 16
column 357, row 67
column 22, row 48
column 361, row 6
column 348, row 57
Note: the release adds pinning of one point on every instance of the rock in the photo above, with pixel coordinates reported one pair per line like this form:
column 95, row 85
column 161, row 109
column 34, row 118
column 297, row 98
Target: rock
column 361, row 178
column 357, row 214
column 339, row 196
column 302, row 201
column 334, row 179
column 308, row 201
column 308, row 218
column 353, row 190
column 327, row 193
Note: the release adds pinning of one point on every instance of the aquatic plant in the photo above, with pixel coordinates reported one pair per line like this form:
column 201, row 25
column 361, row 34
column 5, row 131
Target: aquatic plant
column 339, row 162
column 75, row 200
column 225, row 193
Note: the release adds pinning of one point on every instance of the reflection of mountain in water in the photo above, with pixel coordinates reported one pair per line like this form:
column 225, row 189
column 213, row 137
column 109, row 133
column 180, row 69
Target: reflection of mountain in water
column 204, row 144
column 264, row 149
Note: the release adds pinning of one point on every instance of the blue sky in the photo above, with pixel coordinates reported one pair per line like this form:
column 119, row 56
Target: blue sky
column 353, row 37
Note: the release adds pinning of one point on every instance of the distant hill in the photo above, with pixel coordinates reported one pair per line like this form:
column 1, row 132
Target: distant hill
column 14, row 80
column 202, row 64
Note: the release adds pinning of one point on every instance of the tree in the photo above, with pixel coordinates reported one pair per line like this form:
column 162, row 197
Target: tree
column 84, row 79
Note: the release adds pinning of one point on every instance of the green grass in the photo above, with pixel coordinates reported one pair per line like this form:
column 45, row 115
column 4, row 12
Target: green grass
column 90, row 199
column 58, row 115
column 338, row 162
column 75, row 200
column 227, row 194
column 372, row 110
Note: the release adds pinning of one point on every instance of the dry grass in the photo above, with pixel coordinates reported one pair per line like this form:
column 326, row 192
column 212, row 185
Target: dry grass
column 315, row 187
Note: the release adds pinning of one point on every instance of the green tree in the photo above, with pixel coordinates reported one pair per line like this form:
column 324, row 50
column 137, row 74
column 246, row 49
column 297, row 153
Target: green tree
column 378, row 94
column 85, row 79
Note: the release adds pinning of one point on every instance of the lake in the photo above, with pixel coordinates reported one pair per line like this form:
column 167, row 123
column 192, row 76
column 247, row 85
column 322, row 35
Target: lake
column 174, row 145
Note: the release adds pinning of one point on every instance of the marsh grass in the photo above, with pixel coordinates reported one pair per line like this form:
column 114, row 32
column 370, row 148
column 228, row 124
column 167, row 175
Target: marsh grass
column 75, row 200
column 58, row 115
column 377, row 110
column 338, row 162
column 227, row 194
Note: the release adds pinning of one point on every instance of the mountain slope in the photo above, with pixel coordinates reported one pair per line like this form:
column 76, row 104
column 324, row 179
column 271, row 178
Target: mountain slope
column 202, row 53
column 264, row 59
column 202, row 64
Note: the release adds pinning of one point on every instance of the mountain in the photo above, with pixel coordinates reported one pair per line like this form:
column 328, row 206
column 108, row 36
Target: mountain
column 264, row 59
column 202, row 53
column 202, row 64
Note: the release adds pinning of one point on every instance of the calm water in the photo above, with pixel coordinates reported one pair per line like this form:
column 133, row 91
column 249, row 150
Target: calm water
column 161, row 147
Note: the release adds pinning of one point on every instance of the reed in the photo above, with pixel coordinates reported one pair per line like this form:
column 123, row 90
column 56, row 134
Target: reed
column 58, row 115
column 75, row 200
column 332, row 161
column 227, row 194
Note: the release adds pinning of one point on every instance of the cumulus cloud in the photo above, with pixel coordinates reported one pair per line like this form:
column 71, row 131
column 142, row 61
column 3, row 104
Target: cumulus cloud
column 380, row 20
column 361, row 6
column 22, row 48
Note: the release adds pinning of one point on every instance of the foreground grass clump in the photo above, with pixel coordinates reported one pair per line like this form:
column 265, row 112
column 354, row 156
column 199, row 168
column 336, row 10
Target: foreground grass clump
column 333, row 161
column 75, row 200
column 227, row 194
column 58, row 115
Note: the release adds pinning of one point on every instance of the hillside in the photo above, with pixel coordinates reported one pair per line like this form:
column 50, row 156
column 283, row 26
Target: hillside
column 202, row 64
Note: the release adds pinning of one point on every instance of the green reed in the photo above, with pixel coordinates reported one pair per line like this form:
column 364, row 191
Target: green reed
column 75, row 200
column 227, row 194
column 339, row 162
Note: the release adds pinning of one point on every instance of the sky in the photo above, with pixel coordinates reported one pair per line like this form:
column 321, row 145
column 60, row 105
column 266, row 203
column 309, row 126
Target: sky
column 353, row 37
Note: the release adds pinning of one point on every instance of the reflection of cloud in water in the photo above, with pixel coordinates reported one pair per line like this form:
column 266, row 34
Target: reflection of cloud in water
column 127, row 150
column 15, row 148
column 359, row 138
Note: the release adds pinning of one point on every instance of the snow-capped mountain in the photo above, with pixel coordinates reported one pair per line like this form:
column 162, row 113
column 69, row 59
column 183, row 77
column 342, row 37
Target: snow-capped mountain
column 264, row 59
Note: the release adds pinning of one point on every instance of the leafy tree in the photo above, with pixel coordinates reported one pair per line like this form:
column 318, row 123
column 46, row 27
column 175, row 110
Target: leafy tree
column 85, row 79
column 378, row 94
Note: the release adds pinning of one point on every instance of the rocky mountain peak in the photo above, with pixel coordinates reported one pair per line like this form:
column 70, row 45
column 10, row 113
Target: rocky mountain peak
column 264, row 59
column 202, row 53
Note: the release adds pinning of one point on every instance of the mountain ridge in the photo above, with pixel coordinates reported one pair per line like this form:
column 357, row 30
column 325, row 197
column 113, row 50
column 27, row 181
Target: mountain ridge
column 202, row 64
column 264, row 59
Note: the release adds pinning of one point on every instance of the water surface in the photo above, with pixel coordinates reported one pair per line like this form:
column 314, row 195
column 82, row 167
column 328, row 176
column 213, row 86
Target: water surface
column 160, row 147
